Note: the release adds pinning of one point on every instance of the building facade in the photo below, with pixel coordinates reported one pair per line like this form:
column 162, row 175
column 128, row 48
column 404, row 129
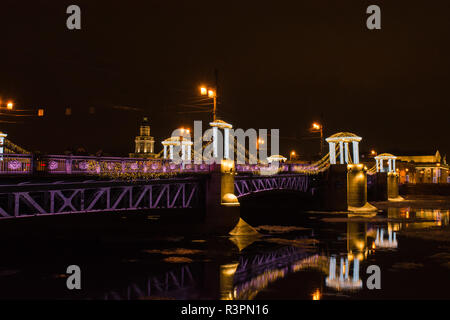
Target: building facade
column 423, row 168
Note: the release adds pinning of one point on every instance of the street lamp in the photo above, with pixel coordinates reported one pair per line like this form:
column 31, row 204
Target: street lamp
column 211, row 93
column 292, row 155
column 9, row 105
column 317, row 127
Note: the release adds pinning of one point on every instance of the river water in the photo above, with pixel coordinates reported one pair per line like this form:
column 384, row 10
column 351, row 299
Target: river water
column 317, row 255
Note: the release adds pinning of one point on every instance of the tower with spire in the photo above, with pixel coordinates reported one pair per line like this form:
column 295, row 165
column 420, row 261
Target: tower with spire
column 144, row 143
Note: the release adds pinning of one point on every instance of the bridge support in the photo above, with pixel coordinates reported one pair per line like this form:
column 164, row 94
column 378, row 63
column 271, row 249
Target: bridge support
column 392, row 175
column 222, row 206
column 392, row 187
column 357, row 189
column 346, row 189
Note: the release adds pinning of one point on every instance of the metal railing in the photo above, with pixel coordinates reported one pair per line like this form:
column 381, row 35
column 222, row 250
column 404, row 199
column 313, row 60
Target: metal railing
column 68, row 164
column 15, row 163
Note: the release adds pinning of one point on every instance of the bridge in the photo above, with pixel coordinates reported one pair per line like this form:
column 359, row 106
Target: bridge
column 106, row 184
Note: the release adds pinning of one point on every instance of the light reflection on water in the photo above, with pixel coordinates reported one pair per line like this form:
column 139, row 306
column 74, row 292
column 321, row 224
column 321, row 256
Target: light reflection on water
column 245, row 268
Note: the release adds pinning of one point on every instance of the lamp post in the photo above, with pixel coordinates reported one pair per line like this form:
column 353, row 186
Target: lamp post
column 211, row 93
column 292, row 155
column 316, row 127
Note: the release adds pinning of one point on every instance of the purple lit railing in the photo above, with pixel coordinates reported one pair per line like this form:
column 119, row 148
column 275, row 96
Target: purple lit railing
column 98, row 165
column 15, row 163
column 62, row 164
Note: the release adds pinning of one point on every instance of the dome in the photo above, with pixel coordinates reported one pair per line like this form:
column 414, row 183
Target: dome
column 385, row 156
column 220, row 124
column 276, row 157
column 343, row 136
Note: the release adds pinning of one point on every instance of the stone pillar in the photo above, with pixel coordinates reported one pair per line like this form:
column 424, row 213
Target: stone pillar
column 215, row 144
column 189, row 155
column 226, row 144
column 341, row 151
column 381, row 165
column 2, row 142
column 165, row 152
column 355, row 152
column 356, row 186
column 183, row 151
column 171, row 152
column 390, row 165
column 346, row 152
column 392, row 183
column 222, row 206
column 332, row 146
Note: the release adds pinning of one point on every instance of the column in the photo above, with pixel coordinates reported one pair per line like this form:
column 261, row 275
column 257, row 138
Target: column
column 165, row 152
column 189, row 156
column 341, row 270
column 215, row 151
column 332, row 146
column 355, row 152
column 183, row 151
column 171, row 152
column 341, row 151
column 378, row 165
column 393, row 165
column 226, row 144
column 381, row 165
column 390, row 165
column 346, row 152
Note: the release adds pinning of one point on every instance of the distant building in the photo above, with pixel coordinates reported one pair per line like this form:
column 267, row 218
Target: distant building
column 144, row 142
column 423, row 168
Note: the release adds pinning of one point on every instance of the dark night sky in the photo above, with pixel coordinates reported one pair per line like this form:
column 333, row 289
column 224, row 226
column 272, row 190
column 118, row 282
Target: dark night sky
column 282, row 64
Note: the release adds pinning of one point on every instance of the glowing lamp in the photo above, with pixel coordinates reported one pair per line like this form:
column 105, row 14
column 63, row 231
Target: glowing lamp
column 203, row 91
column 9, row 105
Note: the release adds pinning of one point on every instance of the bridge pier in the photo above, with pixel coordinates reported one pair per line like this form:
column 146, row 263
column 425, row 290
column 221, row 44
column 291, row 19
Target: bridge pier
column 357, row 189
column 346, row 189
column 392, row 175
column 222, row 210
column 392, row 187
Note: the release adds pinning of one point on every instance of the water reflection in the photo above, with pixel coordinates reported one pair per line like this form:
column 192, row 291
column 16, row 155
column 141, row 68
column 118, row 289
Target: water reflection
column 344, row 281
column 244, row 276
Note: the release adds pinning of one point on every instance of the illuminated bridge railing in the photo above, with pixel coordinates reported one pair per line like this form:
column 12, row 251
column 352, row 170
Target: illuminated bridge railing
column 15, row 163
column 246, row 185
column 63, row 164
